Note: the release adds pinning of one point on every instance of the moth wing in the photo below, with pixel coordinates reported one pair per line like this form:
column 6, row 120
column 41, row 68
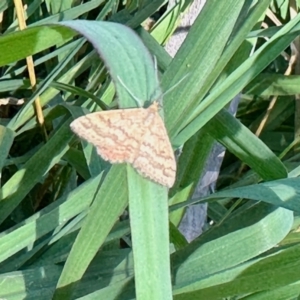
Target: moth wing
column 155, row 158
column 116, row 134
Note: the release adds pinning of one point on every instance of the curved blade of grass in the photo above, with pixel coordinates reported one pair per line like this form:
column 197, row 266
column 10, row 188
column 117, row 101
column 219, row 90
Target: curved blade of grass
column 134, row 65
column 233, row 242
column 284, row 193
column 239, row 140
column 74, row 90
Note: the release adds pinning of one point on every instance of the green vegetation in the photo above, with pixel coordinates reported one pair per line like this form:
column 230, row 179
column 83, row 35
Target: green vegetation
column 61, row 231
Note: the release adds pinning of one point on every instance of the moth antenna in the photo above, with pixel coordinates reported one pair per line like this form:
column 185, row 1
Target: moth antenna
column 155, row 68
column 159, row 97
column 157, row 79
column 137, row 100
column 176, row 84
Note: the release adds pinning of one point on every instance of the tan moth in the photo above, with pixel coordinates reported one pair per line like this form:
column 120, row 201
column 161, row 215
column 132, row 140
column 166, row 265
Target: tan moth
column 136, row 136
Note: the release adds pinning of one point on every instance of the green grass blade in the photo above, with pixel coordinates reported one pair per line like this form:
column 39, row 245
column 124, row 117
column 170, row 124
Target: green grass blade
column 197, row 57
column 246, row 146
column 233, row 242
column 284, row 193
column 273, row 85
column 148, row 208
column 268, row 274
column 64, row 209
column 27, row 111
column 109, row 203
column 222, row 94
column 13, row 285
column 31, row 41
column 290, row 291
column 190, row 166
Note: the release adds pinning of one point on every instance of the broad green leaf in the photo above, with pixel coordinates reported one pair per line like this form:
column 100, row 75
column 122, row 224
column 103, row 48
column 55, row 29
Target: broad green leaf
column 196, row 155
